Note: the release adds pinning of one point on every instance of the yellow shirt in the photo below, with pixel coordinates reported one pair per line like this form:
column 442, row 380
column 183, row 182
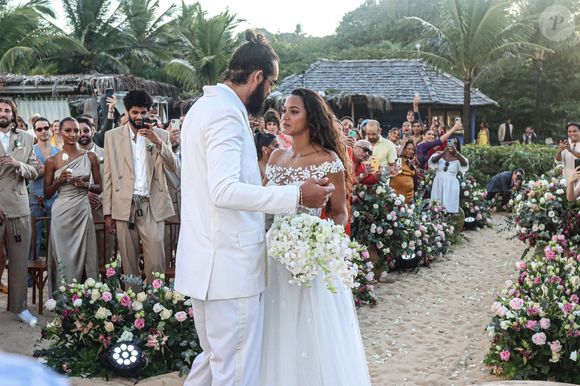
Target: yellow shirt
column 384, row 153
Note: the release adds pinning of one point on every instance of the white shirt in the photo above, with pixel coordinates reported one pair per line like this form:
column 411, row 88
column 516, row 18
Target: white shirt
column 139, row 150
column 568, row 160
column 5, row 139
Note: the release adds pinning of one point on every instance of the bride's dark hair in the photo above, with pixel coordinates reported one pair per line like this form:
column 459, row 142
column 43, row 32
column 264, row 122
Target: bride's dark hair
column 322, row 131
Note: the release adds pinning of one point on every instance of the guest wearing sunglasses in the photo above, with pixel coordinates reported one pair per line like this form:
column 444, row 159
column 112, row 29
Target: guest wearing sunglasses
column 361, row 153
column 447, row 164
column 39, row 205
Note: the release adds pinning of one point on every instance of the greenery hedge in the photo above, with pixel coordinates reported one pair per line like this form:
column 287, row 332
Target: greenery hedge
column 487, row 161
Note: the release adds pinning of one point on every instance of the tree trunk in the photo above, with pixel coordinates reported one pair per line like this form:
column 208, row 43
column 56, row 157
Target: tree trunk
column 467, row 110
column 538, row 61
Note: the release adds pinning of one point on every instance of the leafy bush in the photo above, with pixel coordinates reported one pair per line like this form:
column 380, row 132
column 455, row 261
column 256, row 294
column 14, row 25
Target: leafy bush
column 487, row 161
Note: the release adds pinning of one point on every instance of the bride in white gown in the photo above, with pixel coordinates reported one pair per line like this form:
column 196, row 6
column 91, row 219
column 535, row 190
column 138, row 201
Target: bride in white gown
column 311, row 336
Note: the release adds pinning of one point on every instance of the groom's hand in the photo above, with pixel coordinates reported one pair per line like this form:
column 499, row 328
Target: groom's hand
column 316, row 192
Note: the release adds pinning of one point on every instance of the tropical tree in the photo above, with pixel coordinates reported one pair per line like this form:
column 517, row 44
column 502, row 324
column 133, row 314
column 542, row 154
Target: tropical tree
column 205, row 46
column 95, row 41
column 151, row 32
column 21, row 30
column 472, row 38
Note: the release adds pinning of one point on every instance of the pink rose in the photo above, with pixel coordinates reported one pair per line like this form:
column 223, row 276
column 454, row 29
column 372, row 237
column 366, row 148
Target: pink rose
column 106, row 296
column 110, row 272
column 508, row 283
column 180, row 316
column 522, row 265
column 504, row 355
column 567, row 308
column 537, row 281
column 516, row 304
column 539, row 338
column 126, row 301
column 190, row 312
column 139, row 323
column 501, row 312
column 545, row 323
column 574, row 298
column 533, row 311
column 555, row 346
column 365, row 254
column 157, row 283
column 532, row 324
column 549, row 254
column 74, row 297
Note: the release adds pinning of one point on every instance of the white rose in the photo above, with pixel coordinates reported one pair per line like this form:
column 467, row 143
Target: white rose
column 95, row 295
column 157, row 308
column 102, row 313
column 541, row 227
column 50, row 305
column 137, row 306
column 178, row 296
column 542, row 200
column 78, row 303
column 62, row 289
column 466, row 193
column 166, row 314
column 375, row 206
column 109, row 327
column 141, row 296
column 90, row 282
column 169, row 293
column 574, row 356
column 356, row 214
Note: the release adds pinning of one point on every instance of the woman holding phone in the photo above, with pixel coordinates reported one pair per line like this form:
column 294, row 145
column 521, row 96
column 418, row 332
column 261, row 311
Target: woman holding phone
column 447, row 164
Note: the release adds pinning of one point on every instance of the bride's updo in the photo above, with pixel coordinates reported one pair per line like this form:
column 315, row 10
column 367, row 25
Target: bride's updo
column 322, row 131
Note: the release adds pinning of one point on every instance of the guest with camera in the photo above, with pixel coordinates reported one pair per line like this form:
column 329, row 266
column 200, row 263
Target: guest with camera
column 569, row 149
column 136, row 200
column 504, row 184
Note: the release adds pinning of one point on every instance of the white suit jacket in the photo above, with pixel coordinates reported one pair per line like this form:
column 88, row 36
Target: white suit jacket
column 221, row 252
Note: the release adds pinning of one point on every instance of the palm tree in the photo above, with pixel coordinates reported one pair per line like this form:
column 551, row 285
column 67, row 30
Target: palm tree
column 472, row 38
column 151, row 31
column 95, row 42
column 205, row 47
column 21, row 29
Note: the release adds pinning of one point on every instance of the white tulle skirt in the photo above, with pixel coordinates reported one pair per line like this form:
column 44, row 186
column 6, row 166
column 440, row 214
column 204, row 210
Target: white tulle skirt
column 311, row 336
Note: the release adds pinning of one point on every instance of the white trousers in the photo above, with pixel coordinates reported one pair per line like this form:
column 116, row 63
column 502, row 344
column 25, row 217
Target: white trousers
column 230, row 334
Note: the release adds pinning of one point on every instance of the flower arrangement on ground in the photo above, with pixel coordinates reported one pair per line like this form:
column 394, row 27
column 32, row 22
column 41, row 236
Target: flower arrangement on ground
column 539, row 210
column 435, row 231
column 473, row 202
column 308, row 246
column 364, row 290
column 535, row 333
column 92, row 316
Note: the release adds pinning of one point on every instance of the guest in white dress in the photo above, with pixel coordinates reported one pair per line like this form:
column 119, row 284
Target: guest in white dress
column 446, row 187
column 311, row 336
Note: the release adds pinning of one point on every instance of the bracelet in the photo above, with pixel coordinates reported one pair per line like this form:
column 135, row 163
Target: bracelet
column 301, row 200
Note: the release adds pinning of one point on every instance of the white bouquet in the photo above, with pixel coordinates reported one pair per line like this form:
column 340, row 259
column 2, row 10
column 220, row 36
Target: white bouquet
column 308, row 246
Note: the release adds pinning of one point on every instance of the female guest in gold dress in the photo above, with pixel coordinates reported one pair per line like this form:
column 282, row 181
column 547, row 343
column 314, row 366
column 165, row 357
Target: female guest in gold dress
column 403, row 183
column 73, row 245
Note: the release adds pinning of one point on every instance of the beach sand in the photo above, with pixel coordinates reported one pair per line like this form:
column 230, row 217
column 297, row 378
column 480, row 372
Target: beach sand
column 428, row 328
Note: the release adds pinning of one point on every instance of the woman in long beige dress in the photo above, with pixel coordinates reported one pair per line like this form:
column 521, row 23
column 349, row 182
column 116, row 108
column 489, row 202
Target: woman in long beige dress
column 73, row 244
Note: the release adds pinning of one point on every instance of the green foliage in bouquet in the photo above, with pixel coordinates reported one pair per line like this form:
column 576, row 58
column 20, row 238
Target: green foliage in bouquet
column 487, row 161
column 535, row 332
column 92, row 316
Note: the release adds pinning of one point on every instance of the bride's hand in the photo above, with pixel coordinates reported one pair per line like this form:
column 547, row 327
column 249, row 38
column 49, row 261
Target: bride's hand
column 316, row 193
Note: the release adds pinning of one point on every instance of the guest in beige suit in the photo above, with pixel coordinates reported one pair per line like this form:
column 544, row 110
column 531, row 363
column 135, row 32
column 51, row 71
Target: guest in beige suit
column 136, row 199
column 105, row 240
column 73, row 245
column 17, row 164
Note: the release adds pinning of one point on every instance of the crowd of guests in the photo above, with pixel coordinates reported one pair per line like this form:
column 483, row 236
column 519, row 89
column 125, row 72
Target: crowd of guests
column 117, row 186
column 120, row 185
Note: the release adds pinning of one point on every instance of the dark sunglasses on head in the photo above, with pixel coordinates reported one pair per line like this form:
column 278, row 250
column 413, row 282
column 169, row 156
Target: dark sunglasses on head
column 39, row 129
column 446, row 166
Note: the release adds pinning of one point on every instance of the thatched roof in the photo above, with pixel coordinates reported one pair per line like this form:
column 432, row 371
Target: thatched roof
column 382, row 82
column 89, row 84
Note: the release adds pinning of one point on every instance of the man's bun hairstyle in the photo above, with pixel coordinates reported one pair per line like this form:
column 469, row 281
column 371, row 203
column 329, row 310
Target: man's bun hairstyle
column 254, row 54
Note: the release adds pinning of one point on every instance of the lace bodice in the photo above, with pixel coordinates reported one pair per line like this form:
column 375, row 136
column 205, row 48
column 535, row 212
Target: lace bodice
column 282, row 175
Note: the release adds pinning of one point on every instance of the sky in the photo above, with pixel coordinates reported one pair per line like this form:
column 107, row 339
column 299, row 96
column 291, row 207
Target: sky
column 318, row 17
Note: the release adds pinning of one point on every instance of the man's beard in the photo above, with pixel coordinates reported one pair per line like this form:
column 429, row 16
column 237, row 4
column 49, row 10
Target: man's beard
column 84, row 140
column 256, row 99
column 4, row 123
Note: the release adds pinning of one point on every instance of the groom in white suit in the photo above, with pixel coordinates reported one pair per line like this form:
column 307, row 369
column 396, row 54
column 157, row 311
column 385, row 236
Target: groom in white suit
column 221, row 255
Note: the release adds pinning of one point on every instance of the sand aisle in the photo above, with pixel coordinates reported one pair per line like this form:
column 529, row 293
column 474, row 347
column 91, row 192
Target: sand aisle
column 428, row 329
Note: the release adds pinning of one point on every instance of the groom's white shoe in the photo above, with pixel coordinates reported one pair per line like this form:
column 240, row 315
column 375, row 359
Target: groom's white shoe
column 27, row 318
